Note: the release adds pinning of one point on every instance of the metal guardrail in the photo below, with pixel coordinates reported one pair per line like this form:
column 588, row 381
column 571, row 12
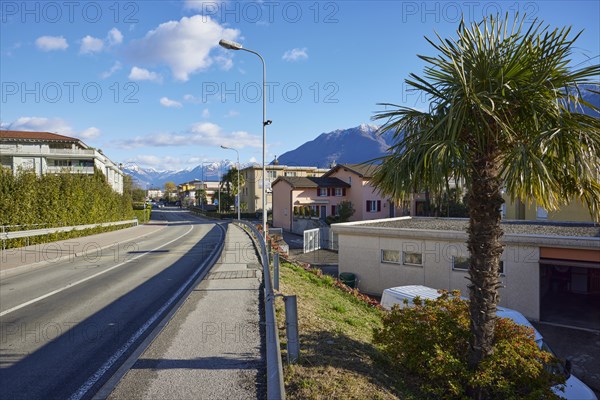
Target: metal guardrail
column 275, row 386
column 38, row 232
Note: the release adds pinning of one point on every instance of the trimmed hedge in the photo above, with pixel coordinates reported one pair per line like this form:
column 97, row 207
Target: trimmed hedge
column 54, row 200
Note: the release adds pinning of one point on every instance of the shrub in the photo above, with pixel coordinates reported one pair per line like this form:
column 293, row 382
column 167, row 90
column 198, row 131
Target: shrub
column 431, row 340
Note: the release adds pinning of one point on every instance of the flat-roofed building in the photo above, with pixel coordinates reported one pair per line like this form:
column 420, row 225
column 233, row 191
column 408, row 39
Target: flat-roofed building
column 47, row 153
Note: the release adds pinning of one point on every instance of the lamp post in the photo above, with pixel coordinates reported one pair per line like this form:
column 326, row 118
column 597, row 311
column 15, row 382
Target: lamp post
column 236, row 46
column 238, row 178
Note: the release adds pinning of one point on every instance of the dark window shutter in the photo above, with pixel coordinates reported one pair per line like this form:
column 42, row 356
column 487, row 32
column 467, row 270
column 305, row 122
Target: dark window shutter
column 368, row 206
column 328, row 192
column 343, row 191
column 378, row 205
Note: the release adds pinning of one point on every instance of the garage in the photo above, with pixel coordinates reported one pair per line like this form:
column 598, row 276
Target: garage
column 570, row 287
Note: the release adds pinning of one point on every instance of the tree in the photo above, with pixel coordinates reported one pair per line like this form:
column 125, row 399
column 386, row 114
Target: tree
column 170, row 188
column 505, row 113
column 229, row 187
column 201, row 196
column 345, row 211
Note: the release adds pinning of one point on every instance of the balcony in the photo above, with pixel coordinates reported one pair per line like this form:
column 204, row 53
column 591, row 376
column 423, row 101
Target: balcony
column 71, row 169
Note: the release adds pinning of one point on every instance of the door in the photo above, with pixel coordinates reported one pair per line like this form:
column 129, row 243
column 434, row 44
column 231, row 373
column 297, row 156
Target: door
column 323, row 212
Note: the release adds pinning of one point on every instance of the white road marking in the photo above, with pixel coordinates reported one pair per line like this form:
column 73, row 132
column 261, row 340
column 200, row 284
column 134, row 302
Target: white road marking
column 70, row 285
column 110, row 362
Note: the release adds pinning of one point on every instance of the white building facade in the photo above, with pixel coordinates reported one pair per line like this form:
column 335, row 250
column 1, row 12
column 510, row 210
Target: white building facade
column 47, row 153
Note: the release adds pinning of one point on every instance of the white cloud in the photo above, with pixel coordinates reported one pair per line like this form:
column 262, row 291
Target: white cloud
column 201, row 133
column 295, row 54
column 141, row 74
column 166, row 102
column 90, row 45
column 184, row 45
column 54, row 125
column 116, row 66
column 114, row 37
column 205, row 113
column 90, row 133
column 231, row 114
column 50, row 43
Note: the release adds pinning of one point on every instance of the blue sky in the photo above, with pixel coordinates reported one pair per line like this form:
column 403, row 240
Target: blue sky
column 147, row 82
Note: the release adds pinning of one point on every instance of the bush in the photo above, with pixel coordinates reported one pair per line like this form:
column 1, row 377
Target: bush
column 431, row 340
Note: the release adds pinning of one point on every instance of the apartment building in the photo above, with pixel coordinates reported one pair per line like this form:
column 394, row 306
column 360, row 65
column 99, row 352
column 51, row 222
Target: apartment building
column 47, row 153
column 251, row 191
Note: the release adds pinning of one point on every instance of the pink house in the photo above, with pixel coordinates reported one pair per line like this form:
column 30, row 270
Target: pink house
column 294, row 197
column 367, row 202
column 305, row 197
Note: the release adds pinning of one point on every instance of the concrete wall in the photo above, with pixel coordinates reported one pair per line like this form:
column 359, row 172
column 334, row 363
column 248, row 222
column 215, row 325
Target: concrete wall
column 281, row 205
column 360, row 253
column 575, row 211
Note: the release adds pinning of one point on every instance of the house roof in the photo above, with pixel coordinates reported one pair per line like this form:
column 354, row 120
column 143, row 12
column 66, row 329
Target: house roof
column 311, row 182
column 363, row 170
column 522, row 227
column 45, row 136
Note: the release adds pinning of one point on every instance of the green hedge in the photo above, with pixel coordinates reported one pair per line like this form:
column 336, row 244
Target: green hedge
column 54, row 200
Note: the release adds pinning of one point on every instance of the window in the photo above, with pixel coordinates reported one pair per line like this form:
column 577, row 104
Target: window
column 390, row 256
column 314, row 210
column 335, row 210
column 410, row 258
column 350, row 180
column 542, row 213
column 290, row 173
column 271, row 174
column 462, row 264
column 373, row 205
column 322, row 192
column 339, row 192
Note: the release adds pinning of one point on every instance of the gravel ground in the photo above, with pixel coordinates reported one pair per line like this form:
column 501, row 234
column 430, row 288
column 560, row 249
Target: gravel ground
column 509, row 227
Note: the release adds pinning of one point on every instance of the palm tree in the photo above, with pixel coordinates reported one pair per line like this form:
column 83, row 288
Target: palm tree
column 506, row 114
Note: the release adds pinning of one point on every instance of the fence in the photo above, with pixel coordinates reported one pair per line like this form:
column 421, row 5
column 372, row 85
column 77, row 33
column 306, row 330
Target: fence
column 4, row 235
column 275, row 387
column 320, row 238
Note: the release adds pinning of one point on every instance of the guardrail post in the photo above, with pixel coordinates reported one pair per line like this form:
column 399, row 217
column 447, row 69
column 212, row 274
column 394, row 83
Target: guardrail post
column 276, row 271
column 291, row 329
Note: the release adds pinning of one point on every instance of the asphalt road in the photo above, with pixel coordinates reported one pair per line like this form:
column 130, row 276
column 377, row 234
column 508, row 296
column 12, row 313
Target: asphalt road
column 65, row 328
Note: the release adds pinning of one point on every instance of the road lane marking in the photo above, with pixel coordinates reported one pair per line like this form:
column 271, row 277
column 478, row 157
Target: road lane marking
column 70, row 285
column 119, row 353
column 10, row 272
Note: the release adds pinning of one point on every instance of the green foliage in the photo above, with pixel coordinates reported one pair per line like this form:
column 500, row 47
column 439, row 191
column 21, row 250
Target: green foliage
column 431, row 340
column 345, row 211
column 54, row 200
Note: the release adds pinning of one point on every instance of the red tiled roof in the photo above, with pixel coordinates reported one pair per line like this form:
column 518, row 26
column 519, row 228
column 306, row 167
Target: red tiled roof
column 24, row 135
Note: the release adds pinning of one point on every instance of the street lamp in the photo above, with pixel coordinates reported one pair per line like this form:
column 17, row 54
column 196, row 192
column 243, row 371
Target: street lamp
column 238, row 178
column 229, row 45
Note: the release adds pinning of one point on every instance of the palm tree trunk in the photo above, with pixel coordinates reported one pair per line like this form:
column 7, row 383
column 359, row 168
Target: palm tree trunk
column 485, row 250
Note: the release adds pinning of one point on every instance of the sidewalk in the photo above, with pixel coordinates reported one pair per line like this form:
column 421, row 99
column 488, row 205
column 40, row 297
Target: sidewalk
column 211, row 348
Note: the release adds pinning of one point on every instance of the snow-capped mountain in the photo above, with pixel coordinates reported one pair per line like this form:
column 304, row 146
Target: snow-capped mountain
column 354, row 145
column 152, row 178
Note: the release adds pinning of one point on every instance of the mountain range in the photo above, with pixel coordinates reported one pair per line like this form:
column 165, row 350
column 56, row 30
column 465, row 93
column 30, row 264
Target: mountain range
column 353, row 145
